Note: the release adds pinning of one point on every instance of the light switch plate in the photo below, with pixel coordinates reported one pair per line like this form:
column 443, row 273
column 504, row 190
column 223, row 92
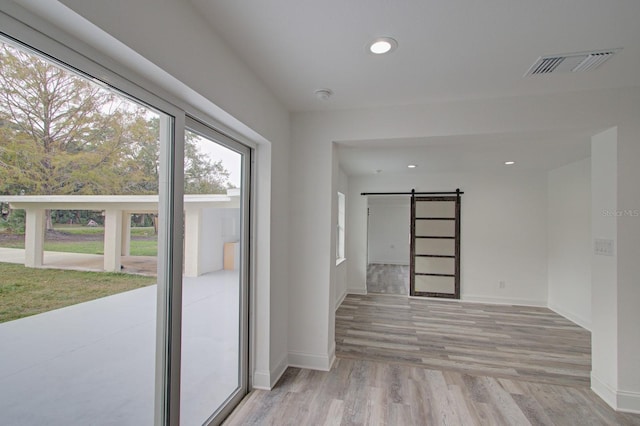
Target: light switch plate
column 603, row 247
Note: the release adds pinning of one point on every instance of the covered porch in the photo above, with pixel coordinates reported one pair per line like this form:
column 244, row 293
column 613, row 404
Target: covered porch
column 210, row 222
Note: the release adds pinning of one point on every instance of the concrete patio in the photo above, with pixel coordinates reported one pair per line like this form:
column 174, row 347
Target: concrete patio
column 144, row 265
column 94, row 363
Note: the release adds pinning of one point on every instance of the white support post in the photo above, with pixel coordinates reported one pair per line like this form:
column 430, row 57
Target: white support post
column 126, row 234
column 34, row 238
column 192, row 231
column 112, row 239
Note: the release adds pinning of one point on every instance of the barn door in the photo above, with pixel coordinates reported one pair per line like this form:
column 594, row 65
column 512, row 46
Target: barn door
column 435, row 246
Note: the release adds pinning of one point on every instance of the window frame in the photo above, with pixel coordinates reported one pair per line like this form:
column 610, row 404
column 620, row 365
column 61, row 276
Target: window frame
column 341, row 228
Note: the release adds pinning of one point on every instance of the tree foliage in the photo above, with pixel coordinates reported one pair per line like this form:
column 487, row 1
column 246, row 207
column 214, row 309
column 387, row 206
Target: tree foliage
column 62, row 134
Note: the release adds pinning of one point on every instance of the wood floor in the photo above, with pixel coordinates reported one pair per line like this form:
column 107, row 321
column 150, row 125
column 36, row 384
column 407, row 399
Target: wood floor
column 525, row 343
column 387, row 279
column 361, row 392
column 404, row 361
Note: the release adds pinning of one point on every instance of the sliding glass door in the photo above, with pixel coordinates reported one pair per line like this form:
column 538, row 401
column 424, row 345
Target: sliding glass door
column 124, row 229
column 214, row 296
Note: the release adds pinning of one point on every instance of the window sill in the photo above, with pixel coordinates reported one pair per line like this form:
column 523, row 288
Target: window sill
column 339, row 261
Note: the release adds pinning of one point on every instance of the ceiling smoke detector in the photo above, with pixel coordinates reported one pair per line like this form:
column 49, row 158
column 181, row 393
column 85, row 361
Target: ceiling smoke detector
column 570, row 62
column 323, row 94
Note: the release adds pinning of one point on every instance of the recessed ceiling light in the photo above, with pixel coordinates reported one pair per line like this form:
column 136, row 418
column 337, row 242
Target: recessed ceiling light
column 383, row 45
column 411, row 166
column 509, row 163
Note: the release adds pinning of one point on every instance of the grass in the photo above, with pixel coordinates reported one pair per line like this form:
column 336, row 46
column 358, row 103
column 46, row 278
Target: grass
column 137, row 248
column 28, row 291
column 143, row 231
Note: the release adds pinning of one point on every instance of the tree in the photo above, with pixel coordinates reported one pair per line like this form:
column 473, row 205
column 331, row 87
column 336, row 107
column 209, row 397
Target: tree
column 201, row 175
column 62, row 134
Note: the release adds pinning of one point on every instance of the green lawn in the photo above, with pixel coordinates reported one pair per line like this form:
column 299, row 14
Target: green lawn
column 138, row 247
column 28, row 291
column 98, row 230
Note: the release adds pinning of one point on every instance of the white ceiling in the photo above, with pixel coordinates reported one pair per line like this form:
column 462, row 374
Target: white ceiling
column 448, row 50
column 469, row 153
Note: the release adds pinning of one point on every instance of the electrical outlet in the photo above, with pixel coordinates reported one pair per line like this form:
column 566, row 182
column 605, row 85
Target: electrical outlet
column 502, row 284
column 603, row 247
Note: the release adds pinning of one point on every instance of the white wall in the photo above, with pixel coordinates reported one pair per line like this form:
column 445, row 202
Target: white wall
column 389, row 231
column 340, row 287
column 167, row 48
column 218, row 226
column 569, row 241
column 503, row 230
column 604, row 308
column 628, row 270
column 313, row 137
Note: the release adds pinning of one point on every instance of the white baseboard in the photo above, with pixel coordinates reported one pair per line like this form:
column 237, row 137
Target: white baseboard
column 312, row 361
column 266, row 380
column 261, row 380
column 582, row 322
column 388, row 262
column 503, row 300
column 604, row 391
column 619, row 400
column 341, row 299
column 629, row 402
column 356, row 291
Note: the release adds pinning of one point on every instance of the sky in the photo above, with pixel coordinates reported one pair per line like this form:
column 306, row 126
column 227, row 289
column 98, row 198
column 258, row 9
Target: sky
column 231, row 160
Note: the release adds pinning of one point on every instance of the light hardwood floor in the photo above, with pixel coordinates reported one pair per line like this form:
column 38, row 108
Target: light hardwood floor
column 421, row 362
column 519, row 342
column 387, row 279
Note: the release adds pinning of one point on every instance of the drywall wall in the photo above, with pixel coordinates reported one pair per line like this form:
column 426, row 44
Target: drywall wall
column 604, row 307
column 144, row 41
column 569, row 241
column 628, row 271
column 314, row 135
column 503, row 230
column 389, row 231
column 340, row 287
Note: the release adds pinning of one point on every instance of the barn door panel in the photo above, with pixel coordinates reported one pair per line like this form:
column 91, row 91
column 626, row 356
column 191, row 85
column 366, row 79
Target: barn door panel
column 435, row 246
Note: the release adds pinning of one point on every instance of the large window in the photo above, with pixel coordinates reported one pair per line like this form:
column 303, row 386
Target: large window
column 118, row 292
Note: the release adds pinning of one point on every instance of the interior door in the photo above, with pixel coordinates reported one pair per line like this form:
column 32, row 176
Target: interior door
column 435, row 246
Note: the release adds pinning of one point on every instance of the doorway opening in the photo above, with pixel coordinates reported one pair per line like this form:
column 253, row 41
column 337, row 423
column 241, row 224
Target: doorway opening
column 413, row 243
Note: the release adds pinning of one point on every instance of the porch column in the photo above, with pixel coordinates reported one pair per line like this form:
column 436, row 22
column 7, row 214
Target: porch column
column 126, row 234
column 34, row 237
column 112, row 239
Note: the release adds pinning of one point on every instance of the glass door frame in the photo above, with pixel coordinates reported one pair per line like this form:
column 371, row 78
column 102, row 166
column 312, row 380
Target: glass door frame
column 196, row 126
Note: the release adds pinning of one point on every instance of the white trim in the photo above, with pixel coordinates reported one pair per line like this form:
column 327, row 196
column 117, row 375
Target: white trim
column 619, row 400
column 340, row 261
column 311, row 361
column 388, row 262
column 582, row 322
column 341, row 299
column 332, row 353
column 502, row 301
column 362, row 291
column 604, row 391
column 628, row 402
column 266, row 380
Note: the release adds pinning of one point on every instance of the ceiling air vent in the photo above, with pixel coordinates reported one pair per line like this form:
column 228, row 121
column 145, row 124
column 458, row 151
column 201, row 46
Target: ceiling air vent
column 570, row 62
